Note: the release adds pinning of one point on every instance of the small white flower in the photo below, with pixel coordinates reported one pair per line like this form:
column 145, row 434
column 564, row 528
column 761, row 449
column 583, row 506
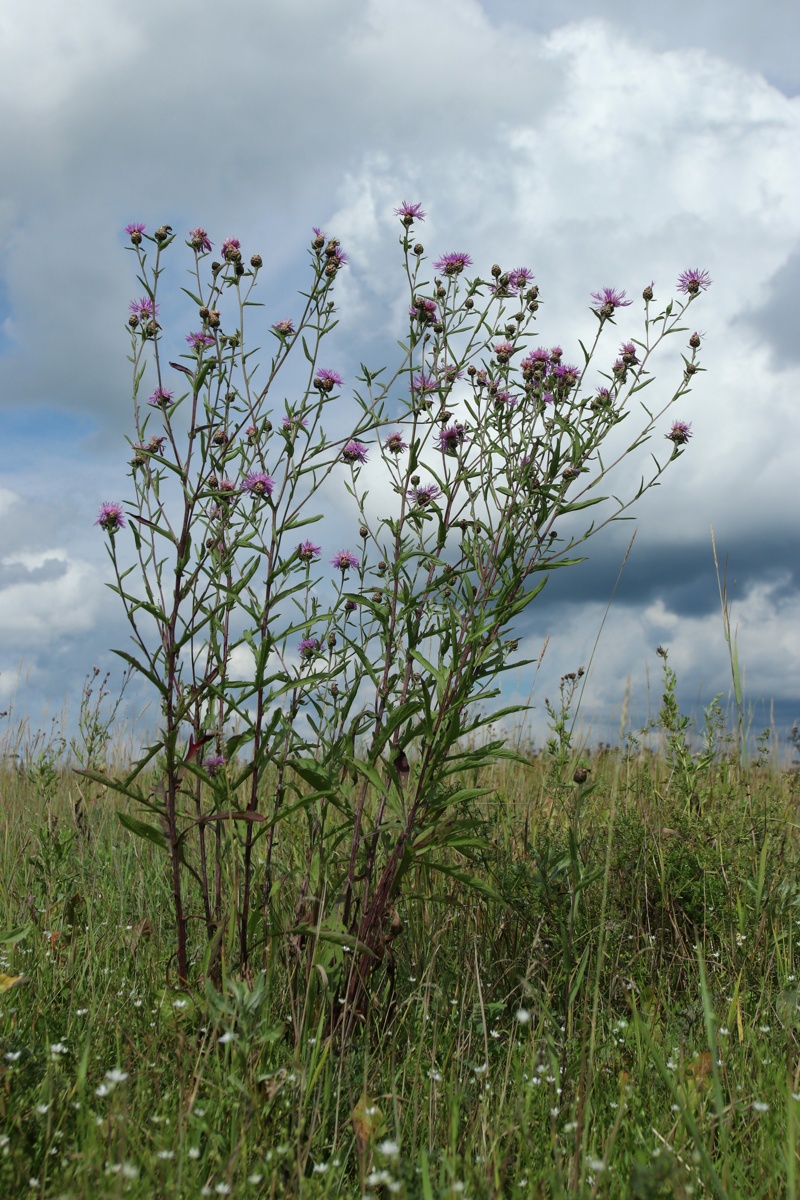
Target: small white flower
column 760, row 1106
column 13, row 1056
column 255, row 1178
column 320, row 1168
column 57, row 1048
column 481, row 1069
column 130, row 1171
column 223, row 1189
column 102, row 1090
column 81, row 1012
column 523, row 1016
column 42, row 1109
column 179, row 1003
column 33, row 1183
column 596, row 1164
column 164, row 1155
column 194, row 1152
column 724, row 1031
column 228, row 1036
column 115, row 1076
column 388, row 1148
column 434, row 1076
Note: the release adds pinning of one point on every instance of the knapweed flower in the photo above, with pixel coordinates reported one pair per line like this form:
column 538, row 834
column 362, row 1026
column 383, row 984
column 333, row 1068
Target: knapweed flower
column 547, row 397
column 160, row 398
column 214, row 765
column 199, row 240
column 693, row 281
column 408, row 213
column 336, row 257
column 308, row 648
column 145, row 309
column 565, row 374
column 609, row 299
column 423, row 382
column 345, row 560
column 231, row 250
column 423, row 309
column 258, row 484
column 292, row 423
column 395, row 444
column 326, row 380
column 448, row 373
column 627, row 352
column 503, row 351
column 535, row 363
column 307, row 551
column 135, row 231
column 111, row 517
column 519, row 278
column 199, row 341
column 425, row 495
column 680, row 433
column 285, row 327
column 453, row 263
column 354, row 452
column 451, row 438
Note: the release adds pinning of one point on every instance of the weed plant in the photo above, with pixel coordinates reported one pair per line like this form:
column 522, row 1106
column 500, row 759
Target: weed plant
column 610, row 1011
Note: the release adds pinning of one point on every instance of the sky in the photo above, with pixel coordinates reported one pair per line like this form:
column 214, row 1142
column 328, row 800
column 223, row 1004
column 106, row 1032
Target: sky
column 599, row 145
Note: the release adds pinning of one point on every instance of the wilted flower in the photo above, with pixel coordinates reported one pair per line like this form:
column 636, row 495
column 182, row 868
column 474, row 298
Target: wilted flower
column 503, row 351
column 326, row 380
column 609, row 299
column 408, row 213
column 285, row 327
column 307, row 551
column 395, row 444
column 345, row 560
column 680, row 433
column 693, row 281
column 355, row 452
column 308, row 647
column 215, row 764
column 451, row 438
column 258, row 484
column 423, row 309
column 231, row 250
column 199, row 341
column 111, row 517
column 422, row 496
column 453, row 263
column 199, row 240
column 160, row 397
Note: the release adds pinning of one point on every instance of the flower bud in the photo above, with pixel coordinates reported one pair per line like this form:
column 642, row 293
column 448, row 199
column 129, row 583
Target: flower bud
column 318, row 242
column 151, row 329
column 419, row 249
column 469, row 302
column 256, row 261
column 415, row 480
column 162, row 233
column 363, row 531
column 213, row 318
column 216, row 268
column 203, row 313
column 331, row 640
column 497, row 271
column 694, row 341
column 472, row 370
column 647, row 294
column 133, row 320
column 238, row 269
column 580, row 774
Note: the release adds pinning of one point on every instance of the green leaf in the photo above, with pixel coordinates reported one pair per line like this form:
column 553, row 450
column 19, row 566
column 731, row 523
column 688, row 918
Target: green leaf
column 143, row 830
column 12, row 936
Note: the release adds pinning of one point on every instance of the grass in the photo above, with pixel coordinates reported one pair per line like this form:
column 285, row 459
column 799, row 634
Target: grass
column 615, row 1015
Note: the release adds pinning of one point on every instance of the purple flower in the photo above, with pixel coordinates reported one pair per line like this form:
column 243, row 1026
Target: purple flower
column 258, row 485
column 519, row 278
column 609, row 299
column 145, row 308
column 425, row 495
column 453, row 263
column 451, row 438
column 231, row 250
column 448, row 373
column 395, row 444
column 111, row 517
column 503, row 351
column 214, row 765
column 135, row 232
column 344, row 561
column 199, row 240
column 423, row 383
column 536, row 362
column 565, row 374
column 308, row 648
column 408, row 213
column 285, row 327
column 680, row 433
column 355, row 452
column 307, row 551
column 547, row 397
column 503, row 397
column 199, row 341
column 693, row 281
column 293, row 423
column 336, row 257
column 555, row 354
column 627, row 352
column 423, row 309
column 326, row 380
column 160, row 398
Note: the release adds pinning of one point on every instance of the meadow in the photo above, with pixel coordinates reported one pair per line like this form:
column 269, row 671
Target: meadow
column 607, row 1008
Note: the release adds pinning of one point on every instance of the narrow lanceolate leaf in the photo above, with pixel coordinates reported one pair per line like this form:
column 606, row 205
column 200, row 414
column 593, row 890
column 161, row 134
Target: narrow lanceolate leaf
column 143, row 830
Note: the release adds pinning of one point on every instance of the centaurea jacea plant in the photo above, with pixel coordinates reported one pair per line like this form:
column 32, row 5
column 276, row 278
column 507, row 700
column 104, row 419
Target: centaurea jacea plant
column 351, row 684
